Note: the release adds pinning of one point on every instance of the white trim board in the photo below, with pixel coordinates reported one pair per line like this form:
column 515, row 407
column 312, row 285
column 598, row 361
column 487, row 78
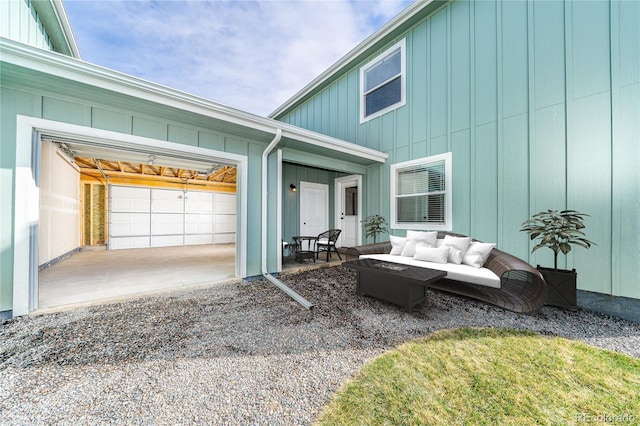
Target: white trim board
column 26, row 210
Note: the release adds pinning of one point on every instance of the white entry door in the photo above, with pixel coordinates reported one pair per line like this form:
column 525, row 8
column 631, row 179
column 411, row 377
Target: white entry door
column 348, row 204
column 314, row 208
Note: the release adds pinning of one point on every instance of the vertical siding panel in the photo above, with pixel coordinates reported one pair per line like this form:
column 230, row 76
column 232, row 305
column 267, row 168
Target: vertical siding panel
column 149, row 128
column 485, row 177
column 324, row 123
column 589, row 136
column 343, row 108
column 417, row 79
column 183, row 135
column 388, row 133
column 210, row 141
column 70, row 112
column 437, row 76
column 625, row 85
column 353, row 106
column 547, row 144
column 513, row 151
column 461, row 159
column 461, row 101
column 333, row 110
column 111, row 120
column 373, row 134
column 460, row 65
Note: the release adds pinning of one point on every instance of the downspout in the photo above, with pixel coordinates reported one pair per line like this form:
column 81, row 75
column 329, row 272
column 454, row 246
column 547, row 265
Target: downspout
column 295, row 296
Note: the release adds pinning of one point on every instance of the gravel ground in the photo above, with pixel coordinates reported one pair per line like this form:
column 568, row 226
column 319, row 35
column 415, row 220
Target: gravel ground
column 236, row 353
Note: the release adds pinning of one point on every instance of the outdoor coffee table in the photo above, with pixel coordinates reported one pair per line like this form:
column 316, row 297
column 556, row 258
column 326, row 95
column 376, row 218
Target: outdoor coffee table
column 403, row 285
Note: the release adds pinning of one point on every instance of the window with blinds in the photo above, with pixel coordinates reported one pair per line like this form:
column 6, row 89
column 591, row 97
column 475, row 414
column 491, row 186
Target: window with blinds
column 421, row 193
column 382, row 83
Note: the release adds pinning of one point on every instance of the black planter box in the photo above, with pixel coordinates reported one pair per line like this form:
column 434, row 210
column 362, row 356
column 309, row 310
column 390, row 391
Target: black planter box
column 561, row 287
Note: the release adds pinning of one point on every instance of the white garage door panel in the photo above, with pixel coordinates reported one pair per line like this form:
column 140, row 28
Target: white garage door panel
column 198, row 239
column 198, row 224
column 224, row 203
column 224, row 238
column 127, row 199
column 116, row 243
column 166, row 240
column 167, row 201
column 198, row 202
column 129, row 224
column 225, row 223
column 163, row 224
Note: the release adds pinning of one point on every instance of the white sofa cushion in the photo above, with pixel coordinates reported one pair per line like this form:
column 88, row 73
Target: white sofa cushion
column 465, row 273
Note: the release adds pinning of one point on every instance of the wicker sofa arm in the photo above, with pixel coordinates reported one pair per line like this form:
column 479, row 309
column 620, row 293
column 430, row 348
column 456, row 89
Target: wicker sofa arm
column 353, row 253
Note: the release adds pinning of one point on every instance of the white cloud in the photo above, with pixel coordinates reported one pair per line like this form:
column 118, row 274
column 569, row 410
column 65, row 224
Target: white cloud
column 251, row 55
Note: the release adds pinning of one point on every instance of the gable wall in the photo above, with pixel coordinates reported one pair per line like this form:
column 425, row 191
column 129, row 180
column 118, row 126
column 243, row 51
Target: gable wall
column 20, row 21
column 538, row 101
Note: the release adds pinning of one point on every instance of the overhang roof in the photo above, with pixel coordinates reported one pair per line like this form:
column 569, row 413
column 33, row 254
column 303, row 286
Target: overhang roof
column 406, row 18
column 20, row 62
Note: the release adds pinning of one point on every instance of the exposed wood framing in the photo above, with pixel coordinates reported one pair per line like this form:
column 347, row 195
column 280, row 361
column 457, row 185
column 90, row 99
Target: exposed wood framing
column 220, row 178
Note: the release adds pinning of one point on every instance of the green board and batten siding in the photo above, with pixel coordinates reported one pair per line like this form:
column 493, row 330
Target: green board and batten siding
column 91, row 108
column 539, row 102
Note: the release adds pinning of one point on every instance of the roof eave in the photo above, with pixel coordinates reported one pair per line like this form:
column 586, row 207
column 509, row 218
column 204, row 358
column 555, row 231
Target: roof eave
column 77, row 70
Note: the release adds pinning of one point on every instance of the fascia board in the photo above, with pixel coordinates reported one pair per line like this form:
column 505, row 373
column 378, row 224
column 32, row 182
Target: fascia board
column 61, row 14
column 400, row 19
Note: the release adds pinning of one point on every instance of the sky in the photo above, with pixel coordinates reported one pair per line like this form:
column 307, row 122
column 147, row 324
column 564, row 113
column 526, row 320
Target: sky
column 249, row 55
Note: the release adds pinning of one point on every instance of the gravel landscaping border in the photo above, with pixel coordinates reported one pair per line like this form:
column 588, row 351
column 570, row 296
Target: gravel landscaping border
column 235, row 353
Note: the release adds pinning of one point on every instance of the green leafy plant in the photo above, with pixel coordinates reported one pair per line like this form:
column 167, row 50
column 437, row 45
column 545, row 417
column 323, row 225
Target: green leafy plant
column 557, row 230
column 374, row 225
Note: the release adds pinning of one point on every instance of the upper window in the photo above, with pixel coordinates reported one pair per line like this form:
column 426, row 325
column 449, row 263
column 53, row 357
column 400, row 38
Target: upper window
column 382, row 83
column 421, row 194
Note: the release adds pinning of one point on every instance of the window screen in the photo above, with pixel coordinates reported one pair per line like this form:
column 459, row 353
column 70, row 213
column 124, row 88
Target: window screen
column 421, row 193
column 382, row 83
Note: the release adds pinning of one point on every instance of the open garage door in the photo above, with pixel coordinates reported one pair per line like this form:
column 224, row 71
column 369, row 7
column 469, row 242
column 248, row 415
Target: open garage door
column 135, row 222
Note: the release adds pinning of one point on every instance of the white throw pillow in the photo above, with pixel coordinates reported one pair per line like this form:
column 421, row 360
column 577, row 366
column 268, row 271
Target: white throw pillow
column 410, row 246
column 397, row 244
column 432, row 254
column 429, row 238
column 455, row 255
column 477, row 254
column 460, row 243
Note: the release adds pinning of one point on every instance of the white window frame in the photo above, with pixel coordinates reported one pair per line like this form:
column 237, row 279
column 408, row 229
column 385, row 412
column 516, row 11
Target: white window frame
column 403, row 79
column 448, row 213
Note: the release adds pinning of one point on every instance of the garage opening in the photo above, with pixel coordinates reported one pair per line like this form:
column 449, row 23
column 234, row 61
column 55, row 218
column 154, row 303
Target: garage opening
column 119, row 222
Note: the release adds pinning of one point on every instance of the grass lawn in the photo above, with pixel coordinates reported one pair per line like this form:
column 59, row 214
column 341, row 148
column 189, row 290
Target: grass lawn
column 490, row 376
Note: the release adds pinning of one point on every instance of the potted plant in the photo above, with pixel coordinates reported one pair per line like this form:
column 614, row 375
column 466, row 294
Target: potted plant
column 558, row 230
column 373, row 226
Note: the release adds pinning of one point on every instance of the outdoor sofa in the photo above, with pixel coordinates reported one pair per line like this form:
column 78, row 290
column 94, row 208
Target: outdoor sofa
column 503, row 280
